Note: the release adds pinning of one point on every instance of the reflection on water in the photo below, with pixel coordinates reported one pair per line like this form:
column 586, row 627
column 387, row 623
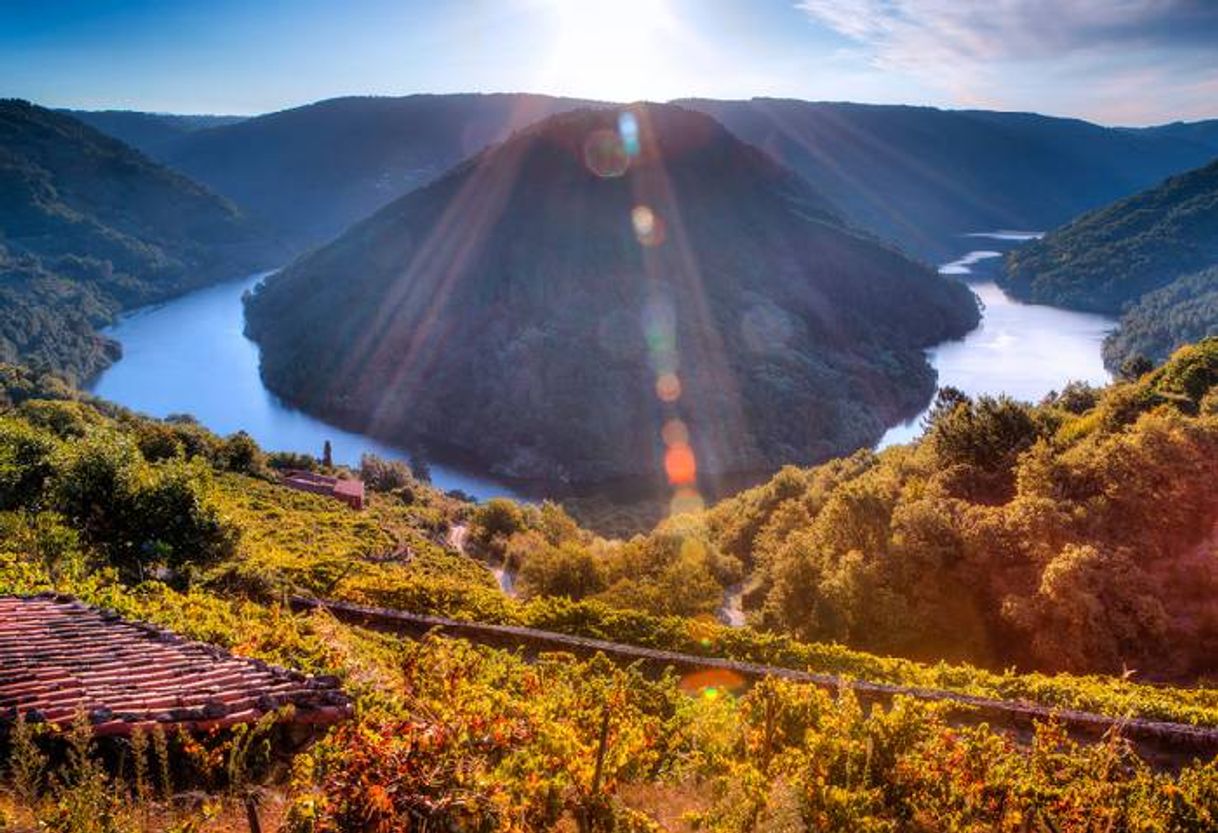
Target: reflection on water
column 1023, row 350
column 190, row 356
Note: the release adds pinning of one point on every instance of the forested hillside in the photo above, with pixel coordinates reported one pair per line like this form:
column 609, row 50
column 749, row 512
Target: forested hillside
column 1079, row 534
column 89, row 227
column 921, row 176
column 312, row 171
column 1111, row 257
column 1184, row 311
column 546, row 308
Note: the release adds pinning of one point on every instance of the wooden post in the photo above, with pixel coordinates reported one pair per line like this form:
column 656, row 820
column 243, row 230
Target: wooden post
column 251, row 813
column 768, row 748
column 600, row 750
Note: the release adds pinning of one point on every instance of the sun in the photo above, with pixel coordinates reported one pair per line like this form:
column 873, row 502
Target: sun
column 616, row 50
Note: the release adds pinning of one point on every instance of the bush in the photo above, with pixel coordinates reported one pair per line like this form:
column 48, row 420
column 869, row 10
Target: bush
column 383, row 475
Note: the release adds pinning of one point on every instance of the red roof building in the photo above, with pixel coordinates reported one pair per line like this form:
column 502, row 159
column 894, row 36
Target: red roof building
column 59, row 656
column 350, row 492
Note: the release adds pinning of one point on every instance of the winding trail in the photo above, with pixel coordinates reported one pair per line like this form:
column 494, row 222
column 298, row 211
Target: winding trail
column 1163, row 743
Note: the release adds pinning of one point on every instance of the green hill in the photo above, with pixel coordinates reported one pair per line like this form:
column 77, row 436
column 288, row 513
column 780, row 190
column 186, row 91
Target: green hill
column 1111, row 257
column 89, row 227
column 520, row 310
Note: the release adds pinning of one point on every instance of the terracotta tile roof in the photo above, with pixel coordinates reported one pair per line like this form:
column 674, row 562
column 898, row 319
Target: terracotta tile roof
column 58, row 655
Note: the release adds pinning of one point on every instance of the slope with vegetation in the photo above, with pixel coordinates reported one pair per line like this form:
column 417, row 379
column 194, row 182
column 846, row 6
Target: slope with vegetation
column 89, row 227
column 921, row 176
column 1080, row 534
column 95, row 500
column 1109, row 258
column 521, row 311
column 1184, row 311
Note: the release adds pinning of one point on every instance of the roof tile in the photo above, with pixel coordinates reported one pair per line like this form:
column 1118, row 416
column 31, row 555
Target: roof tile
column 58, row 656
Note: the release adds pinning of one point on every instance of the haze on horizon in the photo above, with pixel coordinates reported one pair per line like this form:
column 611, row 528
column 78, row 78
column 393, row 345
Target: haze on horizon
column 1128, row 62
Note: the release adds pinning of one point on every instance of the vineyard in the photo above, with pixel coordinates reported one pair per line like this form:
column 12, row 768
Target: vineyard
column 604, row 698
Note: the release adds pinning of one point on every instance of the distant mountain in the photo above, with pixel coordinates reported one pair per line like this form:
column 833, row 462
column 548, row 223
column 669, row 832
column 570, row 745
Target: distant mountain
column 1111, row 257
column 312, row 171
column 920, row 176
column 543, row 316
column 151, row 133
column 89, row 226
column 1184, row 311
column 1204, row 133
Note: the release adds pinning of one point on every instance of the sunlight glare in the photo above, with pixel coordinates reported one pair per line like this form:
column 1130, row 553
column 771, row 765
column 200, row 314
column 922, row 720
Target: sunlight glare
column 612, row 49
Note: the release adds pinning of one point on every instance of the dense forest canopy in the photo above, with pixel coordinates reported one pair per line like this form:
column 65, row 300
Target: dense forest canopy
column 545, row 317
column 1184, row 311
column 88, row 227
column 1111, row 257
column 1081, row 533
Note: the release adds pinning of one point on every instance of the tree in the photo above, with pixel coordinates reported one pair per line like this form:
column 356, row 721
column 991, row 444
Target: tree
column 494, row 522
column 568, row 570
column 1135, row 367
column 420, row 467
column 383, row 475
column 241, row 454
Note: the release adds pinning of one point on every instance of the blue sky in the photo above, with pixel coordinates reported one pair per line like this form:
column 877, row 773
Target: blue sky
column 1113, row 61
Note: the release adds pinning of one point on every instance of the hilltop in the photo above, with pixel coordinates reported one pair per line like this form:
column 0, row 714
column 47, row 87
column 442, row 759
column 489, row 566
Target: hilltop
column 89, row 227
column 915, row 176
column 546, row 321
column 150, row 133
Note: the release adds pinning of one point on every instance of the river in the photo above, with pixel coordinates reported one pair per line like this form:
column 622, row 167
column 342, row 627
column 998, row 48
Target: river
column 1023, row 350
column 190, row 355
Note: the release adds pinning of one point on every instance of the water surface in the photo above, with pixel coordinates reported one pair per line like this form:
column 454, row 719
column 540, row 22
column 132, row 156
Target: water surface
column 190, row 355
column 1022, row 350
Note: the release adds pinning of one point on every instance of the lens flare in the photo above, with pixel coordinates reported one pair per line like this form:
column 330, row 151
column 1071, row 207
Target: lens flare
column 712, row 683
column 605, row 155
column 680, row 464
column 628, row 130
column 648, row 227
column 668, row 387
column 686, row 501
column 674, row 432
